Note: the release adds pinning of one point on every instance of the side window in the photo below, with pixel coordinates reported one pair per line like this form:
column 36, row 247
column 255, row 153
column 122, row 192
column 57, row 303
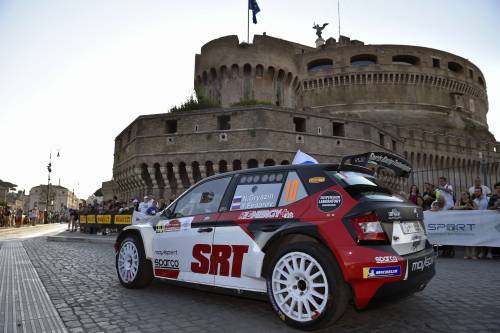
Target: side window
column 203, row 199
column 257, row 190
column 293, row 191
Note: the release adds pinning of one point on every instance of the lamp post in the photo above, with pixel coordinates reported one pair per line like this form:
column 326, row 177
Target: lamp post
column 49, row 169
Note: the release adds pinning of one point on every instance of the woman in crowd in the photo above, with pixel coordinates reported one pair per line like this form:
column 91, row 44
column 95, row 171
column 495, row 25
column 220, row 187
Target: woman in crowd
column 415, row 196
column 466, row 203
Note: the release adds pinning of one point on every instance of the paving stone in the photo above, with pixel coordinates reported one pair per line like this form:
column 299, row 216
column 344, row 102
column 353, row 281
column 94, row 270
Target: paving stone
column 463, row 297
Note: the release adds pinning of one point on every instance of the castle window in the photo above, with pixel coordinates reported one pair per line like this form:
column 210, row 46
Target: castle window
column 480, row 81
column 436, row 63
column 300, row 124
column 394, row 145
column 455, row 67
column 223, row 123
column 338, row 129
column 171, row 126
column 405, row 60
column 320, row 65
column 381, row 138
column 259, row 71
column 471, row 73
column 247, row 70
column 363, row 60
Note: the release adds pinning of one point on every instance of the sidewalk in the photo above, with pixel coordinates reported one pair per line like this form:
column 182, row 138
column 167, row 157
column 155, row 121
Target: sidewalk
column 77, row 236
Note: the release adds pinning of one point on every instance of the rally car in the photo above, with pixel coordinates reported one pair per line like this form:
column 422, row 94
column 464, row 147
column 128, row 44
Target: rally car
column 313, row 237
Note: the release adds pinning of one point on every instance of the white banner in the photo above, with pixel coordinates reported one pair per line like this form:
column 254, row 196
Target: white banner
column 463, row 227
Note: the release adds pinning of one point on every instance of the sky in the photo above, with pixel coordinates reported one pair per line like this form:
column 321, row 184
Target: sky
column 74, row 74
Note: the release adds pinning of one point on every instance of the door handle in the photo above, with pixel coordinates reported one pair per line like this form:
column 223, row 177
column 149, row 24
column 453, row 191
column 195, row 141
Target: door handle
column 205, row 229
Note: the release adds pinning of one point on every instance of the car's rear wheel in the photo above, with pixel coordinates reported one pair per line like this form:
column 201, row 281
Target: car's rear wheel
column 134, row 270
column 305, row 286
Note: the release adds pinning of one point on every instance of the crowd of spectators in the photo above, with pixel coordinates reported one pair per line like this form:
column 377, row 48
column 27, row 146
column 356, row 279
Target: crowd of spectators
column 148, row 206
column 442, row 197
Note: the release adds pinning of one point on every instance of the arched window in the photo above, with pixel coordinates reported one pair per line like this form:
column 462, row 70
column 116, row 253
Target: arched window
column 247, row 70
column 455, row 67
column 269, row 162
column 363, row 60
column 285, row 162
column 223, row 166
column 320, row 65
column 405, row 60
column 252, row 163
column 236, row 165
column 209, row 167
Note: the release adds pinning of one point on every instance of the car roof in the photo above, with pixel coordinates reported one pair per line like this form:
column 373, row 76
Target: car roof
column 288, row 167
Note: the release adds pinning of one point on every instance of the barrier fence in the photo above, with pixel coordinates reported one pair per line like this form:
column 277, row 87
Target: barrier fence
column 459, row 177
column 90, row 222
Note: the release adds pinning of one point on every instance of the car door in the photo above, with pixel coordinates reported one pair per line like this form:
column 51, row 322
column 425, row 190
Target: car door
column 239, row 256
column 183, row 239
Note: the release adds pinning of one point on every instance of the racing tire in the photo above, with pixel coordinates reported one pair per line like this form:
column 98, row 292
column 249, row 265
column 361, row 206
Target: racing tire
column 133, row 269
column 305, row 286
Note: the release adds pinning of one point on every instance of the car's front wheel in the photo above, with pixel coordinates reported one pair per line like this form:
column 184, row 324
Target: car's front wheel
column 134, row 270
column 305, row 286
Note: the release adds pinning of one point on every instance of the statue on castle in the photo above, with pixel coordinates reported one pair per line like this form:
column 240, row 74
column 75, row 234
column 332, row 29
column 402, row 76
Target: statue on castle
column 319, row 29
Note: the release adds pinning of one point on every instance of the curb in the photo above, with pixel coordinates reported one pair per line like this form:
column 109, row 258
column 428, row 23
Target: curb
column 79, row 240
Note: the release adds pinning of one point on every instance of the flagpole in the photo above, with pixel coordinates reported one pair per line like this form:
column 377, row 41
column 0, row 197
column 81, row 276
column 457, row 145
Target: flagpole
column 248, row 24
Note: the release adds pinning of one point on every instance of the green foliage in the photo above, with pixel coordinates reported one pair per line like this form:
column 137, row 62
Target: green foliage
column 249, row 102
column 98, row 193
column 196, row 101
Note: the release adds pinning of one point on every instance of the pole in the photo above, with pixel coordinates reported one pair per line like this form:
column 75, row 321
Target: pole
column 338, row 13
column 248, row 24
column 48, row 189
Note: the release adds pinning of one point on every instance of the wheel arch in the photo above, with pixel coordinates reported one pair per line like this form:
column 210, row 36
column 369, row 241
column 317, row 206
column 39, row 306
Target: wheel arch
column 144, row 233
column 290, row 235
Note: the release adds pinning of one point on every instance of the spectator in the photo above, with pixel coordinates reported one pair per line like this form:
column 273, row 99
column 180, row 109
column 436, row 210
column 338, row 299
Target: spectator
column 494, row 202
column 477, row 182
column 415, row 196
column 143, row 206
column 162, row 205
column 446, row 191
column 153, row 208
column 439, row 204
column 482, row 204
column 480, row 198
column 466, row 203
column 429, row 195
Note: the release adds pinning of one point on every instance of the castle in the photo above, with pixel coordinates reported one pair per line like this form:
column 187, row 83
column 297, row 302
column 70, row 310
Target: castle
column 339, row 98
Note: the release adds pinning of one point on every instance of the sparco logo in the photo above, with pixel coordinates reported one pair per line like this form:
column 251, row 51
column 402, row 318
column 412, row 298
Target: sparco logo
column 167, row 263
column 422, row 264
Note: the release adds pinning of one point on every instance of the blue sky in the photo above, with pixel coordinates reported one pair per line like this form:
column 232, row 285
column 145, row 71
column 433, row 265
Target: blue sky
column 75, row 73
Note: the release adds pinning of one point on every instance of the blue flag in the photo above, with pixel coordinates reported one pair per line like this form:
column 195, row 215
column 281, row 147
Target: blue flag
column 254, row 7
column 303, row 158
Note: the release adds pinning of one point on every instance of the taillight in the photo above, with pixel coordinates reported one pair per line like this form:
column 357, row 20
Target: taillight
column 368, row 228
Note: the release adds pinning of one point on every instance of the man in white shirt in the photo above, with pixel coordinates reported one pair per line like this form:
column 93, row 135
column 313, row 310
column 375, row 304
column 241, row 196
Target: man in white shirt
column 480, row 198
column 446, row 191
column 477, row 182
column 143, row 206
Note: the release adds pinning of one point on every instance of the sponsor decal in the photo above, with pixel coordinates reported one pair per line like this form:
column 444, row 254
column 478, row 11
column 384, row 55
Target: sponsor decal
column 123, row 219
column 386, row 259
column 394, row 214
column 329, row 201
column 380, row 272
column 174, row 225
column 236, row 203
column 454, row 227
column 223, row 260
column 167, row 268
column 292, row 188
column 166, row 253
column 266, row 214
column 420, row 265
column 316, row 180
column 104, row 219
column 415, row 211
column 91, row 219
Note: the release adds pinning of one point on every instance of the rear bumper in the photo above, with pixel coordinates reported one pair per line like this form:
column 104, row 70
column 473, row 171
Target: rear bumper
column 420, row 270
column 417, row 270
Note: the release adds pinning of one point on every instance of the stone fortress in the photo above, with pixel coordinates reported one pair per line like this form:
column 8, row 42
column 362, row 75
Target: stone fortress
column 339, row 98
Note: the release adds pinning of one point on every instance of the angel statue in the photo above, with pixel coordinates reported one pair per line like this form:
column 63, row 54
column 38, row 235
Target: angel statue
column 319, row 29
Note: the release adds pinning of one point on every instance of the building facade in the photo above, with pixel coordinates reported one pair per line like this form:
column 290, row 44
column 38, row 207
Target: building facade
column 338, row 99
column 59, row 198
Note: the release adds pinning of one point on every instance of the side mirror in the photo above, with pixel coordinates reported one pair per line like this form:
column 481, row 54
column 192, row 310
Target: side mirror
column 167, row 213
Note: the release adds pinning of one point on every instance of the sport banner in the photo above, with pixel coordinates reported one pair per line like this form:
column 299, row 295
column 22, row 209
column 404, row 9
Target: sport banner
column 104, row 219
column 463, row 227
column 123, row 219
column 83, row 219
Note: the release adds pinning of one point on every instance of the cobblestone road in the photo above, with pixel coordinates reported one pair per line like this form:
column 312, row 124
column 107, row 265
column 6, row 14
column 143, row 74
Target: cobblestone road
column 81, row 281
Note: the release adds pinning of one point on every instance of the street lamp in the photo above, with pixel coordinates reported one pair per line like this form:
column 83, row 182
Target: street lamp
column 49, row 169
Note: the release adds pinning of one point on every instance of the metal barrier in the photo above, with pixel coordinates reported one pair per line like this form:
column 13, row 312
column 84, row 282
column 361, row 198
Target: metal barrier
column 97, row 222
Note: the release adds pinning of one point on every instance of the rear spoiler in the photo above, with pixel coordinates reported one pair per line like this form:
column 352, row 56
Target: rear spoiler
column 400, row 166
